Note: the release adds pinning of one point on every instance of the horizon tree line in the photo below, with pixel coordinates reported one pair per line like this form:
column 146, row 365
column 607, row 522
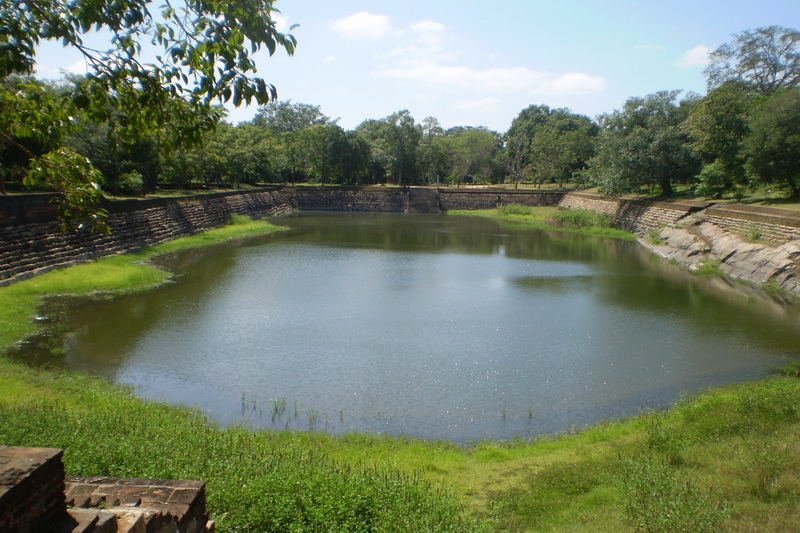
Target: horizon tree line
column 744, row 132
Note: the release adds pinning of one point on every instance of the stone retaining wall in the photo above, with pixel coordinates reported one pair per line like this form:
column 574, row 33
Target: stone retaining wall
column 636, row 216
column 37, row 247
column 389, row 200
column 490, row 198
column 756, row 223
column 30, row 242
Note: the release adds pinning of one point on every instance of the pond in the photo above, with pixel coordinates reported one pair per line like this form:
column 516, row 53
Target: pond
column 441, row 327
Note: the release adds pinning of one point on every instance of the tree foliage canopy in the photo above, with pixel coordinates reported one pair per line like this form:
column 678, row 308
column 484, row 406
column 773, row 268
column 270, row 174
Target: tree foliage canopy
column 644, row 144
column 767, row 58
column 773, row 146
column 162, row 72
column 549, row 143
column 285, row 116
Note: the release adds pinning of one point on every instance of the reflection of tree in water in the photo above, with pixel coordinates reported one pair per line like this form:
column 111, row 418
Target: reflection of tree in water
column 107, row 324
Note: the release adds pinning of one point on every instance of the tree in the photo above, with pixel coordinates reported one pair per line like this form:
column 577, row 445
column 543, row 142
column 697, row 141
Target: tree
column 773, row 146
column 286, row 116
column 644, row 144
column 393, row 143
column 432, row 158
column 114, row 161
column 561, row 146
column 472, row 152
column 547, row 143
column 206, row 57
column 718, row 126
column 766, row 58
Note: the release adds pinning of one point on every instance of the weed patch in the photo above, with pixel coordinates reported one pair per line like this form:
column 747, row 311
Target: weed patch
column 580, row 218
column 658, row 500
column 514, row 209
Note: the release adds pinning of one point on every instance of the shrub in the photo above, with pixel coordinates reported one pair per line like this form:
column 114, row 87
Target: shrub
column 131, row 182
column 514, row 209
column 662, row 439
column 580, row 218
column 764, row 462
column 658, row 501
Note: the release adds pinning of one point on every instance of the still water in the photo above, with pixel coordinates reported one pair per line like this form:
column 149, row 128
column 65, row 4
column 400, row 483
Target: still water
column 431, row 326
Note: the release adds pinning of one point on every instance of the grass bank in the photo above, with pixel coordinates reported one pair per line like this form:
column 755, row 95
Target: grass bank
column 552, row 218
column 724, row 460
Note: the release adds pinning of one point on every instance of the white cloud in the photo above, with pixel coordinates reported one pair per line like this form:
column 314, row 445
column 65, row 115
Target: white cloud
column 696, row 56
column 506, row 80
column 483, row 104
column 363, row 25
column 427, row 26
column 578, row 83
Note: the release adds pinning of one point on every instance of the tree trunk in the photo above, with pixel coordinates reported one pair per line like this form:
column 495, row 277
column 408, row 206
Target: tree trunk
column 666, row 188
column 792, row 186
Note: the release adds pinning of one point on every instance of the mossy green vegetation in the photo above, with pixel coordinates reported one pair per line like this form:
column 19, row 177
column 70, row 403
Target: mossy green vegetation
column 552, row 218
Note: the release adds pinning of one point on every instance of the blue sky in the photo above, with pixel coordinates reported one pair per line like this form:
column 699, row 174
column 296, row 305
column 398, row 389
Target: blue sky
column 471, row 63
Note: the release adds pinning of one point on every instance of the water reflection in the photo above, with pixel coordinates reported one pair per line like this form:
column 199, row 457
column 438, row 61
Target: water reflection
column 434, row 326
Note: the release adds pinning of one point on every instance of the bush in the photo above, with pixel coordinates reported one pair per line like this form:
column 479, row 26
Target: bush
column 580, row 218
column 514, row 209
column 130, row 182
column 658, row 501
column 663, row 439
column 763, row 463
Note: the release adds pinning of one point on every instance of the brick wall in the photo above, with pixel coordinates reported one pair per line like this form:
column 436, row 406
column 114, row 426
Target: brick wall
column 31, row 489
column 34, row 498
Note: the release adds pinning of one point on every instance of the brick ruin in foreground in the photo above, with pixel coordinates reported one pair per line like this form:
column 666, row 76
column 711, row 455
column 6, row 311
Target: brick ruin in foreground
column 36, row 497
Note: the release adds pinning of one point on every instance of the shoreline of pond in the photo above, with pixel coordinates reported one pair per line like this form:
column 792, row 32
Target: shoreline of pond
column 439, row 460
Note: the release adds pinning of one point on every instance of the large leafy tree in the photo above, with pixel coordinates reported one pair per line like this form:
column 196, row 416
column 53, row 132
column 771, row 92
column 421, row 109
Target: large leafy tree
column 766, row 58
column 644, row 145
column 285, row 116
column 718, row 126
column 432, row 156
column 393, row 142
column 472, row 152
column 204, row 56
column 773, row 145
column 547, row 143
